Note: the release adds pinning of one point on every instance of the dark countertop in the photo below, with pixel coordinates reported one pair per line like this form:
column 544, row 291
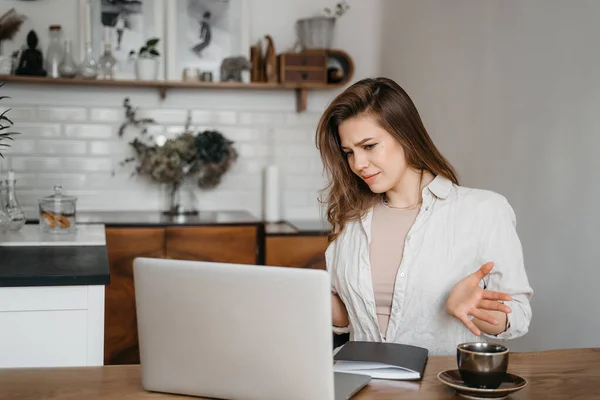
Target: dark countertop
column 156, row 218
column 53, row 265
column 298, row 228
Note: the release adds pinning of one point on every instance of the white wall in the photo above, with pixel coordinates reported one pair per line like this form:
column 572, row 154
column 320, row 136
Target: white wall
column 70, row 134
column 510, row 91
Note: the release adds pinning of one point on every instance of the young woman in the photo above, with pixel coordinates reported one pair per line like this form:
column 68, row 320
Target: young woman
column 414, row 258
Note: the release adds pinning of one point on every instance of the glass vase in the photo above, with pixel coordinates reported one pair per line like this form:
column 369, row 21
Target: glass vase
column 89, row 67
column 11, row 206
column 180, row 199
column 68, row 67
column 107, row 63
column 4, row 219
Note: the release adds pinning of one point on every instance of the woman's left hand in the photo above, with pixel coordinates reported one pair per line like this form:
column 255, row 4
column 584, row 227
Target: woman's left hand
column 468, row 298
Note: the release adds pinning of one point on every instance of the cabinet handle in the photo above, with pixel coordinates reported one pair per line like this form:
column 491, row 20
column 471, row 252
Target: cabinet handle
column 304, row 76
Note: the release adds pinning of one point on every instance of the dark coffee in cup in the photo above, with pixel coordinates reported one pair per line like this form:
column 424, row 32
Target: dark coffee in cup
column 482, row 365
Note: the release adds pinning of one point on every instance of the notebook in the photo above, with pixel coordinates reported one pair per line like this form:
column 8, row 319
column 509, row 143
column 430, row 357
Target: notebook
column 392, row 361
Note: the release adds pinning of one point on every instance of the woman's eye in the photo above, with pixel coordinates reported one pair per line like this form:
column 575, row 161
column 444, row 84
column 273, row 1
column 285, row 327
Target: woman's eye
column 370, row 146
column 347, row 153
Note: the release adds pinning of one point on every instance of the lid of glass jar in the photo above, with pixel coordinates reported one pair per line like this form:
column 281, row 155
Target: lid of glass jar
column 58, row 196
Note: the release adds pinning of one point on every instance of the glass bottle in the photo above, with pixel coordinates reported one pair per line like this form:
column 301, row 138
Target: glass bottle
column 68, row 67
column 107, row 63
column 12, row 208
column 4, row 220
column 89, row 67
column 54, row 54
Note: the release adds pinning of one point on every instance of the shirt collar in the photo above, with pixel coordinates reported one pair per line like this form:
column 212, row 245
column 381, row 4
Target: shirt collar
column 440, row 187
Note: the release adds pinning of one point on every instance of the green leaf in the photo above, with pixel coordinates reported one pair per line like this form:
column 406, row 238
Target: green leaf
column 152, row 42
column 3, row 116
column 154, row 52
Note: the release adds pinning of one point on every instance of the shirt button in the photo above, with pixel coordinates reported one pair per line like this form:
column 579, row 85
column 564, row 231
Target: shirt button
column 402, row 274
column 408, row 238
column 427, row 208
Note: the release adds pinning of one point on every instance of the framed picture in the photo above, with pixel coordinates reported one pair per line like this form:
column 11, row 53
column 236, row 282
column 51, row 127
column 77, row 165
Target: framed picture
column 201, row 33
column 126, row 25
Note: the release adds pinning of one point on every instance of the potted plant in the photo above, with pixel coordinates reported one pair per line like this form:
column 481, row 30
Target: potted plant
column 146, row 60
column 5, row 123
column 5, row 135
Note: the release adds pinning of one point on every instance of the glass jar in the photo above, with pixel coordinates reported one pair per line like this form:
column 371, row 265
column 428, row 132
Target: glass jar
column 54, row 54
column 57, row 212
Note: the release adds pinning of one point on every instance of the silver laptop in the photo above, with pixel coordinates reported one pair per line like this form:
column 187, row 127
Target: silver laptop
column 234, row 331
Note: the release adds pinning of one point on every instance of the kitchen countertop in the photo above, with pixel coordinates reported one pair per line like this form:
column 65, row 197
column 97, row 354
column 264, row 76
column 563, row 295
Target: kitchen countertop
column 53, row 265
column 156, row 218
column 31, row 257
column 32, row 235
column 298, row 228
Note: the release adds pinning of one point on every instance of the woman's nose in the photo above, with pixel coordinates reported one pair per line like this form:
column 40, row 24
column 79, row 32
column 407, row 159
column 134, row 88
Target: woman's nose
column 360, row 161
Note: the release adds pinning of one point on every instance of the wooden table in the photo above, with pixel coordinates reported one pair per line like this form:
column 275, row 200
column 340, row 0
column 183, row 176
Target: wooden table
column 559, row 374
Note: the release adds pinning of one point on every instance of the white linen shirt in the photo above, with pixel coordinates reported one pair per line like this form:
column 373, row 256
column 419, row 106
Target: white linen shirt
column 457, row 230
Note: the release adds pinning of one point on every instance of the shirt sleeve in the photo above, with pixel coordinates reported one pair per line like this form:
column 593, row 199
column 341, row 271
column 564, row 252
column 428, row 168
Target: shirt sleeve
column 330, row 266
column 501, row 245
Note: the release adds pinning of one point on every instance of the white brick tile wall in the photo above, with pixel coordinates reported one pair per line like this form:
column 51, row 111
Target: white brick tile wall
column 35, row 163
column 89, row 131
column 61, row 147
column 33, row 130
column 71, row 139
column 107, row 114
column 204, row 117
column 21, row 113
column 61, row 114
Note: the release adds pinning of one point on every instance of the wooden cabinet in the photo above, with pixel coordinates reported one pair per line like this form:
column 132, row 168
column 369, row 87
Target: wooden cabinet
column 296, row 251
column 236, row 244
column 233, row 244
column 120, row 323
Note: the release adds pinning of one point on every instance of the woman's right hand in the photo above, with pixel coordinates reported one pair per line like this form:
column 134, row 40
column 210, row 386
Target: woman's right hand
column 338, row 311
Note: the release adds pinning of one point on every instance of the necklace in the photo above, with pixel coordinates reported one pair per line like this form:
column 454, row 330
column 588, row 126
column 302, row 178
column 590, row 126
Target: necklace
column 385, row 202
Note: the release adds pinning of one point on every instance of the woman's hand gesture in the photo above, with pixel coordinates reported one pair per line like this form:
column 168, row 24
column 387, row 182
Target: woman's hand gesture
column 468, row 298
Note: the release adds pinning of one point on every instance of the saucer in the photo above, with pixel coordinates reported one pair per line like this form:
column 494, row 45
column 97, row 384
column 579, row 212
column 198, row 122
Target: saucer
column 510, row 384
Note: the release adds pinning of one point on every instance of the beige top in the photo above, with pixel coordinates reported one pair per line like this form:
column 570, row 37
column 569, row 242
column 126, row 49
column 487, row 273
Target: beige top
column 388, row 232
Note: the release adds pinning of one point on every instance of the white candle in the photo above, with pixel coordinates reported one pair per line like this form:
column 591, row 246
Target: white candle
column 11, row 175
column 271, row 210
column 88, row 22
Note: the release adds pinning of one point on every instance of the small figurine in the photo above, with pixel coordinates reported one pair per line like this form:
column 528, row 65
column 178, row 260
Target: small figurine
column 232, row 68
column 32, row 60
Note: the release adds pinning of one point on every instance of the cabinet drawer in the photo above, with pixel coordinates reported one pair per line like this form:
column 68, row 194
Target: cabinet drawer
column 305, row 60
column 43, row 298
column 312, row 76
column 43, row 339
column 296, row 251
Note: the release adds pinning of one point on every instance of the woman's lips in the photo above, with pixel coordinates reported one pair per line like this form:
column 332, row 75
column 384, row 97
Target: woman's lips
column 370, row 178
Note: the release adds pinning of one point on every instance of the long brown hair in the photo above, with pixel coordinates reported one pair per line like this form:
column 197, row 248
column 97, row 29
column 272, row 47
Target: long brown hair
column 348, row 197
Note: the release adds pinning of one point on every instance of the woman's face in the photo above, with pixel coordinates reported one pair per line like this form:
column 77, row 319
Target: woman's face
column 373, row 154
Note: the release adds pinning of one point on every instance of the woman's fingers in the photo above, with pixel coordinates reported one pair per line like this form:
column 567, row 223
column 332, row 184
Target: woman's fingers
column 493, row 305
column 483, row 316
column 484, row 270
column 492, row 295
column 469, row 324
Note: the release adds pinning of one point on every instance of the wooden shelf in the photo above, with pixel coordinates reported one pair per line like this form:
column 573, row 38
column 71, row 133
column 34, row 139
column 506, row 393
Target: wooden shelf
column 162, row 86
